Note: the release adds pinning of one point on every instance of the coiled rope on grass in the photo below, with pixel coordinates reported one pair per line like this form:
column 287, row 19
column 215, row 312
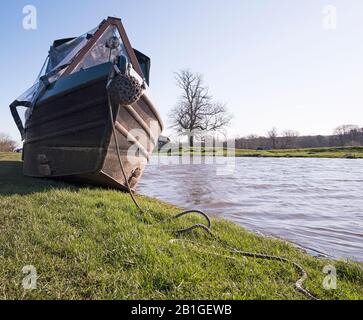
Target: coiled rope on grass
column 206, row 228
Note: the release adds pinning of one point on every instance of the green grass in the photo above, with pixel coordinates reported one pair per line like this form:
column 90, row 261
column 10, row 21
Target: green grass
column 336, row 152
column 91, row 243
column 9, row 156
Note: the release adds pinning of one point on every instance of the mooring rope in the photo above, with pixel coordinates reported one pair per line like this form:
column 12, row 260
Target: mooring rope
column 298, row 284
column 119, row 155
column 207, row 228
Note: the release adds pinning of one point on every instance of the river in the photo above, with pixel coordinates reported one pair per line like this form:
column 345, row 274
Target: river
column 315, row 203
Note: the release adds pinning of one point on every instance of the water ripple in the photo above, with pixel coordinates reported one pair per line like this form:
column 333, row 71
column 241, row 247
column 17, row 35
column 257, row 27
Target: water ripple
column 316, row 203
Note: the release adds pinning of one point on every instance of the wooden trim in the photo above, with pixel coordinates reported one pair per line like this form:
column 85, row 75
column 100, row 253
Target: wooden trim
column 141, row 122
column 130, row 138
column 153, row 110
column 127, row 44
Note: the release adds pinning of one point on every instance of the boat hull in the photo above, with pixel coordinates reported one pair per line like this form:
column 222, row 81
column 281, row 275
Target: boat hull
column 69, row 133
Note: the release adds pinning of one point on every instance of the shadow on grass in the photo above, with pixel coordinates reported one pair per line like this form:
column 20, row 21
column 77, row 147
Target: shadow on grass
column 13, row 182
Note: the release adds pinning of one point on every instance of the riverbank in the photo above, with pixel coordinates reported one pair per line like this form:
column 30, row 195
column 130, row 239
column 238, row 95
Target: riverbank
column 336, row 152
column 91, row 243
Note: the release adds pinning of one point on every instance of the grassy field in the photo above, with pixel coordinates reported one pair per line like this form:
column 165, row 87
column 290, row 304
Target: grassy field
column 344, row 152
column 91, row 243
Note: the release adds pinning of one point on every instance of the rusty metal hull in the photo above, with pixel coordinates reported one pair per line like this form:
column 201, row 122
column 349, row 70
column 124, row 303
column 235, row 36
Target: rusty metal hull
column 69, row 135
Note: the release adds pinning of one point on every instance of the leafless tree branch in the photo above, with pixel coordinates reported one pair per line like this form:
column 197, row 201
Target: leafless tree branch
column 196, row 110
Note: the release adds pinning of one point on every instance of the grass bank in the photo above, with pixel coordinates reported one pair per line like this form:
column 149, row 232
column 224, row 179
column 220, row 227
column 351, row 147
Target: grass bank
column 336, row 152
column 90, row 243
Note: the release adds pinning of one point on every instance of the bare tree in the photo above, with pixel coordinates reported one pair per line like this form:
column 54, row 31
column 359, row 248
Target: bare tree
column 346, row 133
column 6, row 143
column 196, row 112
column 289, row 138
column 273, row 136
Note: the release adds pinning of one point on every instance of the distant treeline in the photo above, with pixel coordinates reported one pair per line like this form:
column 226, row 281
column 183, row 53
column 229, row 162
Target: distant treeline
column 346, row 135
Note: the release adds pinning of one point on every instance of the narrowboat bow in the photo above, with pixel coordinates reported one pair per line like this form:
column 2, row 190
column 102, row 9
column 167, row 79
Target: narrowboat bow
column 67, row 131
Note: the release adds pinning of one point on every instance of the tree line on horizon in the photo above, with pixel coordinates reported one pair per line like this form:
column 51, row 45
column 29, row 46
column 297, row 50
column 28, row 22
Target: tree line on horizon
column 344, row 135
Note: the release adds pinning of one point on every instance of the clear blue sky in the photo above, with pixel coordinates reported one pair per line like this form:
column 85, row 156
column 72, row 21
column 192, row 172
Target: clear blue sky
column 271, row 61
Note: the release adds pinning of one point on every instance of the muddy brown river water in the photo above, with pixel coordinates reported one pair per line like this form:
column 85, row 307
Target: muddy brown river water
column 315, row 203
